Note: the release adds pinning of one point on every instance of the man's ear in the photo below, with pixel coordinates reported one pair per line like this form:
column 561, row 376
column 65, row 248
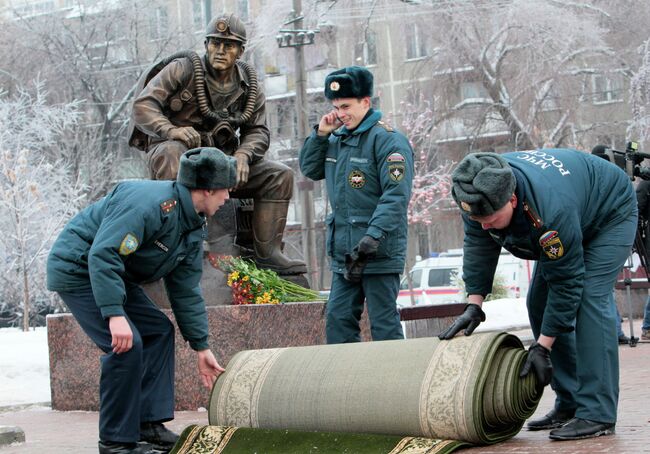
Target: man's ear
column 241, row 50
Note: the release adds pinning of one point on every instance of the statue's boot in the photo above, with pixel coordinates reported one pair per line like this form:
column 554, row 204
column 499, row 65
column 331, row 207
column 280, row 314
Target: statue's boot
column 269, row 220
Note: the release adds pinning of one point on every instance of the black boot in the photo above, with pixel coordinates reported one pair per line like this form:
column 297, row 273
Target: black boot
column 554, row 418
column 269, row 220
column 116, row 447
column 157, row 435
column 578, row 428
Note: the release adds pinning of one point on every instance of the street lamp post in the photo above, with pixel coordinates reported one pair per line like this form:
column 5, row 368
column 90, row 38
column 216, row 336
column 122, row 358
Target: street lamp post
column 297, row 38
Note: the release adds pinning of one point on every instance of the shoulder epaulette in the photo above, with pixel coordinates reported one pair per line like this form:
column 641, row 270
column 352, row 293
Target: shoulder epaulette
column 533, row 216
column 386, row 126
column 168, row 206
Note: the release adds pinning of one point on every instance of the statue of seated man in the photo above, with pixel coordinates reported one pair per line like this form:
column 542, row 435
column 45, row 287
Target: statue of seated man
column 188, row 101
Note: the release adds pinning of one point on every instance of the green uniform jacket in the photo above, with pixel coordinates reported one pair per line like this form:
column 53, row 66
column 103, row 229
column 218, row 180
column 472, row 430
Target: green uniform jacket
column 140, row 232
column 369, row 175
column 564, row 198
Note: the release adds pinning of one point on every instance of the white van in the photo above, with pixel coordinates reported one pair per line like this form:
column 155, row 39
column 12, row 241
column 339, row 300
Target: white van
column 433, row 279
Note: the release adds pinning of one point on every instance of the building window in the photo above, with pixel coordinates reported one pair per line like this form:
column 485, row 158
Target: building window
column 606, row 89
column 365, row 52
column 158, row 23
column 242, row 10
column 415, row 42
column 473, row 90
column 198, row 15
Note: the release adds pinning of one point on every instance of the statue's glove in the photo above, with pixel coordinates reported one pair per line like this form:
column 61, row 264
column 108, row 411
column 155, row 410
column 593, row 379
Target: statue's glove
column 243, row 169
column 186, row 134
column 539, row 359
column 356, row 261
column 469, row 320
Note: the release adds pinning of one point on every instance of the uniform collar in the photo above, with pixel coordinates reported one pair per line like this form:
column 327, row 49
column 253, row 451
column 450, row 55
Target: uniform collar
column 371, row 118
column 190, row 219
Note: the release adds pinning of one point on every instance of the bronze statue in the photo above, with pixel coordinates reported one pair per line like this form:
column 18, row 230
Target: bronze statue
column 187, row 101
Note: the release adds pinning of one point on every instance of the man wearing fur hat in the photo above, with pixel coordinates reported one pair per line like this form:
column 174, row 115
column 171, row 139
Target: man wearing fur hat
column 576, row 215
column 140, row 232
column 215, row 100
column 368, row 170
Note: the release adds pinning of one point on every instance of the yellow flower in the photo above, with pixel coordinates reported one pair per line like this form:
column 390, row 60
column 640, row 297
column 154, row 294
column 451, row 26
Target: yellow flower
column 245, row 278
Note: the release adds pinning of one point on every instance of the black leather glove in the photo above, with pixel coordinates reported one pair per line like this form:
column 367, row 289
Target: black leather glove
column 357, row 260
column 469, row 320
column 367, row 246
column 539, row 359
column 353, row 267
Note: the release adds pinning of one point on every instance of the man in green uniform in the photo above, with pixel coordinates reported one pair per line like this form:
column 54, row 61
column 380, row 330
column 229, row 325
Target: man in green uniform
column 215, row 101
column 576, row 215
column 368, row 170
column 140, row 232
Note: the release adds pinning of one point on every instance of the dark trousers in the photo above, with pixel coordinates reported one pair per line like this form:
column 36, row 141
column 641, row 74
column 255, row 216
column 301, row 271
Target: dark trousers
column 345, row 306
column 585, row 361
column 136, row 386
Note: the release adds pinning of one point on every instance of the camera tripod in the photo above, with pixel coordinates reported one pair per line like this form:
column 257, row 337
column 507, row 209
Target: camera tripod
column 627, row 281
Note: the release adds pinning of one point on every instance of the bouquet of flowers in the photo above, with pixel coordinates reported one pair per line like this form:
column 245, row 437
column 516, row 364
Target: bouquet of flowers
column 251, row 285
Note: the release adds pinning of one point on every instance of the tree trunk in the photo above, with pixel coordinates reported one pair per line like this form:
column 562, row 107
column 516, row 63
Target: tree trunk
column 25, row 299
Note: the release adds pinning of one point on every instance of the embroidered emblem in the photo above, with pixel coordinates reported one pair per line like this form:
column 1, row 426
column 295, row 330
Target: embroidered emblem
column 161, row 246
column 396, row 172
column 356, row 179
column 551, row 244
column 168, row 206
column 335, row 86
column 395, row 157
column 465, row 206
column 129, row 244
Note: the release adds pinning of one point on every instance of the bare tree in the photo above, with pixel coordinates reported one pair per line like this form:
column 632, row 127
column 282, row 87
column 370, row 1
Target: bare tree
column 640, row 95
column 36, row 196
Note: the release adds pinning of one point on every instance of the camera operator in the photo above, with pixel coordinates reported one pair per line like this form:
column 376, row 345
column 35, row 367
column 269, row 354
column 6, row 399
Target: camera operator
column 643, row 199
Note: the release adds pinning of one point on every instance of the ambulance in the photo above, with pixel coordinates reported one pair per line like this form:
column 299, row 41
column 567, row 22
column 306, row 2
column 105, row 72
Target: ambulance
column 434, row 281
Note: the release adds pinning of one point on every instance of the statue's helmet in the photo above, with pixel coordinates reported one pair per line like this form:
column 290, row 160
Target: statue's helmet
column 227, row 26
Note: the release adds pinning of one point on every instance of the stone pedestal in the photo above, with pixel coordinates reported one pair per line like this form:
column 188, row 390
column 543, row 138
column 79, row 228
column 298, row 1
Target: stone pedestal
column 74, row 359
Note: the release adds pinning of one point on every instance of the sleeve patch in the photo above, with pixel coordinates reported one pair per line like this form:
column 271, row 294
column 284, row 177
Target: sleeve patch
column 395, row 157
column 168, row 206
column 551, row 244
column 396, row 172
column 129, row 244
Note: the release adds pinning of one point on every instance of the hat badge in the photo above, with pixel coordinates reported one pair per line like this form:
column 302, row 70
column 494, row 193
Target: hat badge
column 222, row 26
column 465, row 206
column 335, row 86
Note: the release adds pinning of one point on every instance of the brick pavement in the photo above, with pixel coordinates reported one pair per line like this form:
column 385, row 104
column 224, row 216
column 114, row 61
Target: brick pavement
column 54, row 432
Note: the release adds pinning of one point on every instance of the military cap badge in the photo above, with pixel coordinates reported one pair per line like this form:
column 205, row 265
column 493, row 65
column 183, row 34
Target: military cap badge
column 335, row 86
column 222, row 26
column 465, row 206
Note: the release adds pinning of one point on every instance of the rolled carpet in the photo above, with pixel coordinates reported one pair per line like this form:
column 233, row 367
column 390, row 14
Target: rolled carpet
column 467, row 389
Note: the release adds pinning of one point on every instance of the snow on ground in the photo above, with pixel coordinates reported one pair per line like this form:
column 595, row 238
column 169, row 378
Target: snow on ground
column 24, row 367
column 24, row 360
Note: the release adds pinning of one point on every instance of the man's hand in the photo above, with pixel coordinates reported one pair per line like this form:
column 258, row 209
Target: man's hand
column 538, row 359
column 186, row 134
column 243, row 168
column 209, row 368
column 469, row 320
column 367, row 246
column 357, row 260
column 328, row 123
column 121, row 334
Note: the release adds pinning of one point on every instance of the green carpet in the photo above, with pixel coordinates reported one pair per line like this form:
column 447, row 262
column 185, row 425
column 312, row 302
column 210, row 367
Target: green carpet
column 218, row 439
column 449, row 394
